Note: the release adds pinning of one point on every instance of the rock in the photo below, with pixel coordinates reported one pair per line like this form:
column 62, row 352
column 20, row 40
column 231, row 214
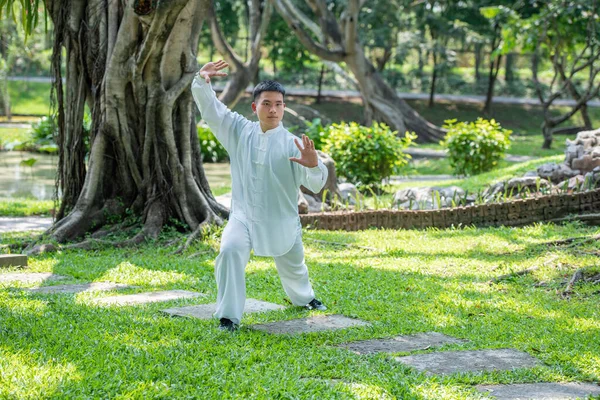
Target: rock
column 315, row 205
column 592, row 179
column 571, row 184
column 530, row 173
column 586, row 163
column 429, row 198
column 302, row 203
column 556, row 172
column 515, row 186
column 330, row 191
column 572, row 152
column 349, row 193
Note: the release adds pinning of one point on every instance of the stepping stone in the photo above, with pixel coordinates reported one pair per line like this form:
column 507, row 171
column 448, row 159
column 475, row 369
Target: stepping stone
column 148, row 297
column 13, row 260
column 206, row 311
column 450, row 362
column 316, row 323
column 30, row 277
column 539, row 391
column 420, row 341
column 86, row 287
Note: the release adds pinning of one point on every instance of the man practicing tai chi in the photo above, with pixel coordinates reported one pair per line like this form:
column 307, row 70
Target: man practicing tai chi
column 268, row 165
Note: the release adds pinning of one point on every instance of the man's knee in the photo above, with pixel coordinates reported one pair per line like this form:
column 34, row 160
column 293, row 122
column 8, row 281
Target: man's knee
column 233, row 250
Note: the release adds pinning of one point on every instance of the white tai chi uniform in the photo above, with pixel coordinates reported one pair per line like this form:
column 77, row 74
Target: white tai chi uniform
column 264, row 204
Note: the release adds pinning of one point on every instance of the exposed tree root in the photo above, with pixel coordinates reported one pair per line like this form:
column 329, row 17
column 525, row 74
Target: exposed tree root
column 200, row 253
column 513, row 274
column 577, row 276
column 199, row 232
column 342, row 244
column 586, row 239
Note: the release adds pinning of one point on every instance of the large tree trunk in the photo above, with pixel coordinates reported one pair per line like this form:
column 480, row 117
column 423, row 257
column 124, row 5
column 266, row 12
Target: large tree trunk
column 133, row 67
column 386, row 104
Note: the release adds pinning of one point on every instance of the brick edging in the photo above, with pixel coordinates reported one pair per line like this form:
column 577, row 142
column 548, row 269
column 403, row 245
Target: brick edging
column 512, row 213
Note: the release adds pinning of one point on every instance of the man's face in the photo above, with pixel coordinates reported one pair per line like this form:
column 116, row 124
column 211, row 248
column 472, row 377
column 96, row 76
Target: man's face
column 269, row 107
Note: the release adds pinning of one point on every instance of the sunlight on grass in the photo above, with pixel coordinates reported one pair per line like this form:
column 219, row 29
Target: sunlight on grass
column 126, row 272
column 23, row 377
column 413, row 281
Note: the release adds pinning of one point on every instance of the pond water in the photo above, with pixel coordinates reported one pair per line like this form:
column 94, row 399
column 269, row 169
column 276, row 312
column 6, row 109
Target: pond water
column 31, row 175
column 27, row 175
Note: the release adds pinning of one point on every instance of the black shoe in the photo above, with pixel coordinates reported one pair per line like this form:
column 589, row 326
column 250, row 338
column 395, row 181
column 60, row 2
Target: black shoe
column 227, row 325
column 316, row 305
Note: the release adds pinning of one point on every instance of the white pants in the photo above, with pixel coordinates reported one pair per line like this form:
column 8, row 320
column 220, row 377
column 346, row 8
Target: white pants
column 230, row 272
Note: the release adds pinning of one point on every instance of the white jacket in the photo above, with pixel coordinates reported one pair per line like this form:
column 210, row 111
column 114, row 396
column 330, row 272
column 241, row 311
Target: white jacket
column 265, row 183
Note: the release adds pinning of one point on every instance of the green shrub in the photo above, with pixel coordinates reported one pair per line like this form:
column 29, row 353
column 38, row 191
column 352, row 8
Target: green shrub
column 211, row 149
column 475, row 147
column 366, row 155
column 316, row 132
column 43, row 132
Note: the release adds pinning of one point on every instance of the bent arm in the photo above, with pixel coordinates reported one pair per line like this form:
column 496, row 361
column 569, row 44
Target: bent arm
column 225, row 124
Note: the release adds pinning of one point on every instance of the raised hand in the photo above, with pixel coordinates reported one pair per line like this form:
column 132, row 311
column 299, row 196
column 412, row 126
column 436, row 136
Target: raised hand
column 213, row 69
column 308, row 155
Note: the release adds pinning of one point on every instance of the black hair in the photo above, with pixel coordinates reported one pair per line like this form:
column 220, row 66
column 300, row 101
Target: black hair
column 267, row 86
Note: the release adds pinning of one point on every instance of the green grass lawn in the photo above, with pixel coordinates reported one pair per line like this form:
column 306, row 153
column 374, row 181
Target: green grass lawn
column 25, row 207
column 62, row 346
column 29, row 98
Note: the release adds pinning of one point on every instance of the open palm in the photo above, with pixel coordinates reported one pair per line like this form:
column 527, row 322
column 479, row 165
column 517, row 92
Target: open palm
column 213, row 69
column 308, row 155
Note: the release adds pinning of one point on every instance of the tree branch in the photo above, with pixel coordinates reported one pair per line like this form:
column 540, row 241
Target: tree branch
column 220, row 43
column 351, row 26
column 283, row 7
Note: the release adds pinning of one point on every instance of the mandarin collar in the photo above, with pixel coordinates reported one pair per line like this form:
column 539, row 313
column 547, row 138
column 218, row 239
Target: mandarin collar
column 270, row 131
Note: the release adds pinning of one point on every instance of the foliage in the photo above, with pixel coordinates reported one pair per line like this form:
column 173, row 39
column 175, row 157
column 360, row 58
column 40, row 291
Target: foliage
column 211, row 149
column 317, row 132
column 366, row 155
column 26, row 49
column 284, row 49
column 44, row 131
column 475, row 147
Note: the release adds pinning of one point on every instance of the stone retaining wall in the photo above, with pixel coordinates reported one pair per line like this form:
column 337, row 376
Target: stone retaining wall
column 513, row 213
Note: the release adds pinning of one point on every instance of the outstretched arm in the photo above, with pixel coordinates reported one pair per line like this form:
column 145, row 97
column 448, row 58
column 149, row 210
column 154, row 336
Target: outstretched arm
column 314, row 175
column 225, row 124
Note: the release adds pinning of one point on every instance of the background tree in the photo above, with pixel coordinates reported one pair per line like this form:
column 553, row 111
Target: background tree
column 334, row 37
column 132, row 64
column 242, row 71
column 566, row 33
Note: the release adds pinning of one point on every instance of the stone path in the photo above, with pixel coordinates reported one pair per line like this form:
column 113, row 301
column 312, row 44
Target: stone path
column 420, row 341
column 79, row 288
column 540, row 391
column 451, row 362
column 316, row 323
column 13, row 260
column 8, row 224
column 206, row 311
column 432, row 153
column 29, row 277
column 144, row 298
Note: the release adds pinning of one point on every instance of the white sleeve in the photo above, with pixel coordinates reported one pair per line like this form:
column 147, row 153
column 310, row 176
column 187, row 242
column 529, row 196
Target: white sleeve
column 226, row 125
column 313, row 179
